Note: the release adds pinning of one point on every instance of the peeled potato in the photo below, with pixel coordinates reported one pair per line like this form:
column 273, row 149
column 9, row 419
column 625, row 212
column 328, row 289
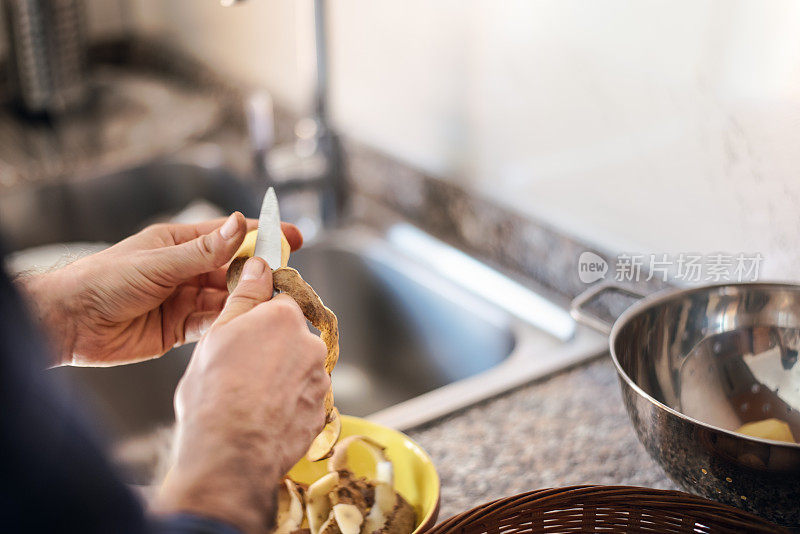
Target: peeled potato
column 771, row 428
column 248, row 246
column 246, row 250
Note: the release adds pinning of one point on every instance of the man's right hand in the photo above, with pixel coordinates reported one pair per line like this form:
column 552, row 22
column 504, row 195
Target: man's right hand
column 248, row 407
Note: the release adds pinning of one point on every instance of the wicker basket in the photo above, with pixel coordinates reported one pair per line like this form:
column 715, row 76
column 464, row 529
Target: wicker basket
column 603, row 509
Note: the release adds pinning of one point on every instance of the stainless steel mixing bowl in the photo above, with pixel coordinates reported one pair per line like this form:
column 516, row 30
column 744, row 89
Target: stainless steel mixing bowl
column 696, row 364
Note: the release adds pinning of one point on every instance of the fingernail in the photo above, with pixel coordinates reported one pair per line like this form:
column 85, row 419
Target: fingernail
column 253, row 268
column 228, row 229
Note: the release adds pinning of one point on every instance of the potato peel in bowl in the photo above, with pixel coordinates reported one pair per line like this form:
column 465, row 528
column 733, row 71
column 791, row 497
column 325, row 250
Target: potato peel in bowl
column 288, row 281
column 290, row 508
column 341, row 503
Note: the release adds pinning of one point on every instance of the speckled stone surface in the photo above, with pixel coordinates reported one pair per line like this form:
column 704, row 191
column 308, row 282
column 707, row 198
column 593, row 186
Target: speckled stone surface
column 569, row 429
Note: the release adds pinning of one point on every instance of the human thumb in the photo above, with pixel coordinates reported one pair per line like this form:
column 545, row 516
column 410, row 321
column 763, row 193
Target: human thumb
column 254, row 287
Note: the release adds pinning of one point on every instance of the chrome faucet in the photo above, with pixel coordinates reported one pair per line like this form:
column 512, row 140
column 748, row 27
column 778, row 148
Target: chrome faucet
column 313, row 159
column 47, row 55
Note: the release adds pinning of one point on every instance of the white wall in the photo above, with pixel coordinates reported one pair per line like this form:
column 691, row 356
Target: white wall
column 648, row 126
column 259, row 43
column 642, row 126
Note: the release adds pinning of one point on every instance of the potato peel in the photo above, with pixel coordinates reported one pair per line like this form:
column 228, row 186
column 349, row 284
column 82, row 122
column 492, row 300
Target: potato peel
column 342, row 503
column 323, row 445
column 288, row 281
column 318, row 505
column 348, row 518
column 338, row 460
column 385, row 498
column 402, row 518
column 290, row 508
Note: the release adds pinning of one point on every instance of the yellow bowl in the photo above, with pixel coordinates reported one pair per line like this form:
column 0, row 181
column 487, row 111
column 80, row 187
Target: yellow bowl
column 415, row 477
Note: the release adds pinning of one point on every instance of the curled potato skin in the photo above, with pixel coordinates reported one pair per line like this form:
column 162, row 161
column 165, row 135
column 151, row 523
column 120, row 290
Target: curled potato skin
column 289, row 281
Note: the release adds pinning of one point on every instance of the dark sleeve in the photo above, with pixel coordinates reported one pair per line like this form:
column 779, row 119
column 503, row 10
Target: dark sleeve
column 191, row 524
column 54, row 477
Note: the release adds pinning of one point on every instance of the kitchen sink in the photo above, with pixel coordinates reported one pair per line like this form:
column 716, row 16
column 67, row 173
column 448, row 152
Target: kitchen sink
column 401, row 334
column 425, row 330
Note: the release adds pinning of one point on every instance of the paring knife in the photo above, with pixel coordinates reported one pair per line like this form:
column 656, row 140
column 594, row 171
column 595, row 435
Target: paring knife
column 268, row 238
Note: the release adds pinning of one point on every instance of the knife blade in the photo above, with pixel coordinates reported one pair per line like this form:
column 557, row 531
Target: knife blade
column 268, row 238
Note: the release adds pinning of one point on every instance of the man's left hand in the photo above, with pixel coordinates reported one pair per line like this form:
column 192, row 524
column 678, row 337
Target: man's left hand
column 143, row 296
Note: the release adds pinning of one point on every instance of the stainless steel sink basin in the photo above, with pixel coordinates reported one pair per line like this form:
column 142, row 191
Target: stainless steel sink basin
column 402, row 334
column 424, row 329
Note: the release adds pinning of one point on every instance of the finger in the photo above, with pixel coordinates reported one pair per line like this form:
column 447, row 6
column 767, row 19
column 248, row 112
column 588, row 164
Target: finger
column 176, row 264
column 211, row 300
column 218, row 279
column 293, row 235
column 215, row 279
column 188, row 312
column 255, row 287
column 197, row 324
column 181, row 233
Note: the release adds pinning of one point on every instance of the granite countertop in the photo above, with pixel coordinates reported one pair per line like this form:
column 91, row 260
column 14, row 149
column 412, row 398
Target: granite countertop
column 570, row 428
